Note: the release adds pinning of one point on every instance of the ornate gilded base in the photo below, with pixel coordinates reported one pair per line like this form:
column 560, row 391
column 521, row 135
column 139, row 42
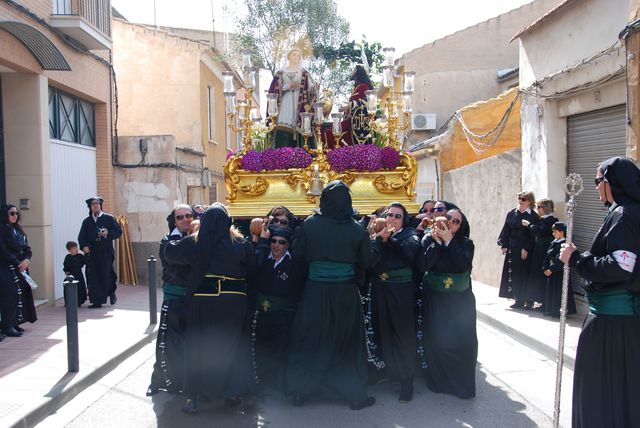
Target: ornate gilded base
column 253, row 194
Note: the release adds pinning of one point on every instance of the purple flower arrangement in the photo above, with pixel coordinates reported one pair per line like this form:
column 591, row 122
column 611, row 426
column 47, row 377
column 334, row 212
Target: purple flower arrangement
column 272, row 159
column 363, row 157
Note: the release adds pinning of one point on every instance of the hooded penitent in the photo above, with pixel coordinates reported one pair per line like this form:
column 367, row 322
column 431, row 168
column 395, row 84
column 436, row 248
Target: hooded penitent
column 624, row 178
column 335, row 201
column 214, row 240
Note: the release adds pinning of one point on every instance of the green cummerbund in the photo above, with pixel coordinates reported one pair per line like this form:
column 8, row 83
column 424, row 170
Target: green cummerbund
column 173, row 291
column 396, row 275
column 331, row 271
column 267, row 303
column 447, row 282
column 614, row 302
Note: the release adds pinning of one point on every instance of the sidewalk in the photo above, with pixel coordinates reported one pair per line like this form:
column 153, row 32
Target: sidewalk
column 34, row 381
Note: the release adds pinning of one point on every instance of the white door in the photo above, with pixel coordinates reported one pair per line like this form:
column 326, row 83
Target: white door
column 73, row 176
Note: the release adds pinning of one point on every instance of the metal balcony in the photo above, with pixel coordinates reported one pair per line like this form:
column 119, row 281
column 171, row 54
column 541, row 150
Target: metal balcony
column 87, row 21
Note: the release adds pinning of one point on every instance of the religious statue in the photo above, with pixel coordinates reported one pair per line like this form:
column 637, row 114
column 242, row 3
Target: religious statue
column 296, row 94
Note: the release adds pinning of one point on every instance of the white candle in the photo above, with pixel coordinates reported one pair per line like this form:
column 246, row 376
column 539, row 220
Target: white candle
column 227, row 77
column 306, row 125
column 272, row 104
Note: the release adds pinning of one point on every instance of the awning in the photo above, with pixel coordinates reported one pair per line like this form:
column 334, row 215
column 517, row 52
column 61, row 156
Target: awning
column 42, row 49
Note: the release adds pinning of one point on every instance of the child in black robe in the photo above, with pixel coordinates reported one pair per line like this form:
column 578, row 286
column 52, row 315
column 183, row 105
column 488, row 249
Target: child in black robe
column 553, row 268
column 72, row 265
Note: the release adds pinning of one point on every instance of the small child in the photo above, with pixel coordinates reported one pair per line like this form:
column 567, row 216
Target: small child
column 73, row 263
column 553, row 268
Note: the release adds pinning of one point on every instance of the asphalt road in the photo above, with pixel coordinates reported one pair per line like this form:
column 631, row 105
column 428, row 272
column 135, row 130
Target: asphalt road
column 515, row 388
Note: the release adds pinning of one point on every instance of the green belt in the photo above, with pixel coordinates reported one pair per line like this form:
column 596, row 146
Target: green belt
column 267, row 303
column 213, row 285
column 615, row 302
column 331, row 271
column 447, row 282
column 396, row 275
column 173, row 291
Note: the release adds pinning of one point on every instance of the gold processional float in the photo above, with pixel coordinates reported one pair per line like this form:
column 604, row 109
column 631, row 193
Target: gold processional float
column 252, row 193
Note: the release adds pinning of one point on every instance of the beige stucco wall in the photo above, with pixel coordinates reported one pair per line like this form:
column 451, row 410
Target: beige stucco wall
column 158, row 79
column 575, row 32
column 461, row 68
column 486, row 206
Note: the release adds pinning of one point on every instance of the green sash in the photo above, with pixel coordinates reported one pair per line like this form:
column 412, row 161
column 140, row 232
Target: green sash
column 614, row 302
column 173, row 291
column 447, row 282
column 331, row 271
column 396, row 275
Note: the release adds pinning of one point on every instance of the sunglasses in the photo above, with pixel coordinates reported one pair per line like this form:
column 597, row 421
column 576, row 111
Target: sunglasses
column 439, row 209
column 453, row 220
column 540, row 206
column 13, row 212
column 182, row 216
column 430, row 210
column 396, row 215
column 282, row 221
column 520, row 198
column 598, row 180
column 279, row 241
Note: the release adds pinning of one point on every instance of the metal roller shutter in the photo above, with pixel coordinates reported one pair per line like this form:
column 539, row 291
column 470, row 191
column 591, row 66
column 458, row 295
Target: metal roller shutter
column 592, row 137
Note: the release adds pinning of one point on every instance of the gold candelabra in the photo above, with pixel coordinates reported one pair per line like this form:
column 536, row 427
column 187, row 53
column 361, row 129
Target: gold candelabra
column 244, row 110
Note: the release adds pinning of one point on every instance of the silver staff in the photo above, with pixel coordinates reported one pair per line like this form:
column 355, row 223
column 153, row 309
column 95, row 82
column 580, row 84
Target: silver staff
column 573, row 187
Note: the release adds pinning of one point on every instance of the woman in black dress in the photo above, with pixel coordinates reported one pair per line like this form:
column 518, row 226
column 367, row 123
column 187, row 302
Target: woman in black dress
column 16, row 297
column 449, row 308
column 218, row 360
column 516, row 242
column 393, row 288
column 541, row 231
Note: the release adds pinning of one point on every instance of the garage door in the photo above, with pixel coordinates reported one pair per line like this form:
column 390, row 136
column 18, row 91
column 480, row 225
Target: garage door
column 592, row 138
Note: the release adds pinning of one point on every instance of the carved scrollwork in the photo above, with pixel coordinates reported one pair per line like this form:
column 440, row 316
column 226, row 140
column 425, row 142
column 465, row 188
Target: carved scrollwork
column 232, row 181
column 381, row 185
column 256, row 189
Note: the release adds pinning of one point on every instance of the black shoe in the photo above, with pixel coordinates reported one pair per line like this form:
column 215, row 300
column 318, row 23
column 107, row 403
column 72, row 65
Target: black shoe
column 359, row 405
column 11, row 332
column 113, row 299
column 406, row 392
column 190, row 406
column 94, row 306
column 20, row 329
column 298, row 400
column 517, row 305
column 152, row 390
column 232, row 402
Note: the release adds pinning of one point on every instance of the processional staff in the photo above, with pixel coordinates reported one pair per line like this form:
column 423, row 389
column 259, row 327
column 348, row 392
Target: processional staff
column 573, row 187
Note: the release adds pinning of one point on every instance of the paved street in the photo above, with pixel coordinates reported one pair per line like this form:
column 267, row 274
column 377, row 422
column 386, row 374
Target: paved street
column 515, row 388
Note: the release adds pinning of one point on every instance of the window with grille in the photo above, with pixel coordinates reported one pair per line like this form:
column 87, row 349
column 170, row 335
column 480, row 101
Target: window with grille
column 71, row 119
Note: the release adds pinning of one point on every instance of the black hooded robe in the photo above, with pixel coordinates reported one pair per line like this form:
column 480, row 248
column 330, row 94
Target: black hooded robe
column 515, row 237
column 101, row 276
column 451, row 342
column 553, row 291
column 218, row 349
column 606, row 380
column 537, row 283
column 394, row 301
column 328, row 343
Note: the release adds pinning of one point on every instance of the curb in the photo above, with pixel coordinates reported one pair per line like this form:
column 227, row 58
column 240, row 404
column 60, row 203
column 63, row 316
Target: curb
column 59, row 398
column 528, row 341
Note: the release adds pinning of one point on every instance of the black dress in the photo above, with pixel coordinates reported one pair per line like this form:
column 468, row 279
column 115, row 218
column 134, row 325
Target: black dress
column 168, row 370
column 393, row 301
column 515, row 237
column 101, row 277
column 73, row 265
column 537, row 283
column 451, row 341
column 553, row 292
column 16, row 297
column 277, row 290
column 218, row 349
column 606, row 380
column 328, row 342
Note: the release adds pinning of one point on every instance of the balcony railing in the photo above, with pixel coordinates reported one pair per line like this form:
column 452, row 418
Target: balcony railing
column 95, row 12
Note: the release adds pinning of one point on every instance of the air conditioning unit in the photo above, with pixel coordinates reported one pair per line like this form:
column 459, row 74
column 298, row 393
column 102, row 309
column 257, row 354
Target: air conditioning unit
column 423, row 121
